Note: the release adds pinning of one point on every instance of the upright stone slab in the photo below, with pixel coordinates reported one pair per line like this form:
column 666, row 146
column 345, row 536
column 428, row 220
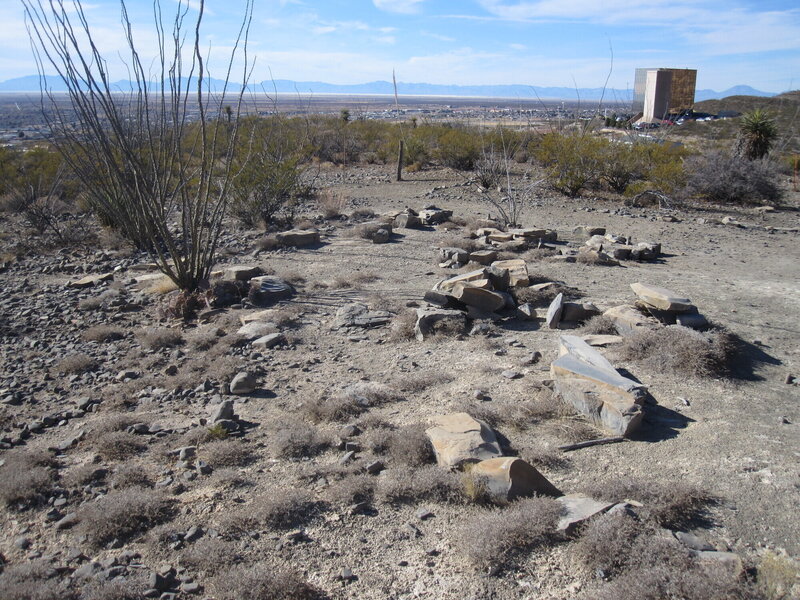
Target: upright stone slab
column 517, row 271
column 661, row 298
column 459, row 439
column 585, row 379
column 508, row 478
column 554, row 312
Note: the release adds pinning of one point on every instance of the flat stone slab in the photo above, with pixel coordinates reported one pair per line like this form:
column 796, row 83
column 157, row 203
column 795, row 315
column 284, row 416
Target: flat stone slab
column 578, row 508
column 554, row 312
column 448, row 284
column 356, row 314
column 256, row 329
column 579, row 311
column 629, row 321
column 459, row 439
column 267, row 289
column 661, row 298
column 517, row 271
column 270, row 340
column 241, row 273
column 90, row 280
column 479, row 297
column 298, row 237
column 507, row 478
column 483, row 257
column 601, row 340
column 260, row 315
column 576, row 346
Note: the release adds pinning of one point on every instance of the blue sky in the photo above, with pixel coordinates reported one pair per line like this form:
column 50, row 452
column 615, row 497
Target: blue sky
column 543, row 43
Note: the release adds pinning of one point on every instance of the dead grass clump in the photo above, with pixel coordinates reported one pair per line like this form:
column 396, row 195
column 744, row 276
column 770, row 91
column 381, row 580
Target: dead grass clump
column 403, row 325
column 161, row 287
column 123, row 514
column 426, row 483
column 410, row 446
column 268, row 242
column 119, row 445
column 459, row 241
column 296, row 439
column 26, row 477
column 131, row 475
column 681, row 350
column 113, row 422
column 102, row 334
column 673, row 505
column 281, row 509
column 227, row 453
column 543, row 297
column 333, row 408
column 205, row 339
column 491, row 539
column 599, row 325
column 351, row 490
column 520, row 415
column 34, row 580
column 571, row 430
column 537, row 254
column 360, row 214
column 77, row 363
column 130, row 588
column 210, row 556
column 419, row 382
column 292, row 277
column 229, row 479
column 160, row 338
column 332, row 203
column 364, row 278
column 264, row 582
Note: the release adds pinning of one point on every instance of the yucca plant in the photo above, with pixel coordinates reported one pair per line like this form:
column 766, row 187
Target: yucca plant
column 757, row 133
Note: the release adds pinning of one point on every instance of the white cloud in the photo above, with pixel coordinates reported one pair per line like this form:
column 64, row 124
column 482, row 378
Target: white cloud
column 399, row 6
column 518, row 46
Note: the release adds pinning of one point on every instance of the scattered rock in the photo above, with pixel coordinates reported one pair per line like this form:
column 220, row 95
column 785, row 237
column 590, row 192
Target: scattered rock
column 459, row 439
column 357, row 314
column 266, row 290
column 661, row 298
column 578, row 508
column 507, row 478
column 241, row 273
column 243, row 383
column 298, row 237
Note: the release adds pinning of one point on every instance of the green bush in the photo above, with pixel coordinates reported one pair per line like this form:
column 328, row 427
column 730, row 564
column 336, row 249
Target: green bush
column 573, row 160
column 458, row 149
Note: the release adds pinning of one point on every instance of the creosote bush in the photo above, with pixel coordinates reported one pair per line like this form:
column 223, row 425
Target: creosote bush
column 123, row 514
column 119, row 445
column 227, row 453
column 295, row 439
column 280, row 509
column 682, row 350
column 427, row 483
column 491, row 539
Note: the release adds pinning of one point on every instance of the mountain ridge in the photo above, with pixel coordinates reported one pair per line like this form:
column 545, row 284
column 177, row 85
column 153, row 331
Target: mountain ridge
column 30, row 83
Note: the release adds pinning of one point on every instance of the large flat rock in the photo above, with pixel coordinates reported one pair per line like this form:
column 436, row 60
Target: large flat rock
column 661, row 298
column 629, row 321
column 586, row 380
column 458, row 439
column 507, row 478
column 480, row 297
column 448, row 284
column 517, row 271
column 578, row 508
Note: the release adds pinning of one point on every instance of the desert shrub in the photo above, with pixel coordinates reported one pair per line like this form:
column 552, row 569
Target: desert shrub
column 296, row 439
column 673, row 505
column 681, row 350
column 351, row 401
column 282, row 509
column 599, row 325
column 267, row 243
column 103, row 333
column 119, row 445
column 572, row 160
column 34, row 580
column 112, row 422
column 489, row 170
column 227, row 453
column 332, row 203
column 778, row 575
column 571, row 430
column 410, row 446
column 130, row 475
column 229, row 479
column 26, row 477
column 210, row 556
column 359, row 214
column 621, row 164
column 458, row 149
column 123, row 514
column 130, row 588
column 521, row 414
column 264, row 582
column 367, row 231
column 492, row 539
column 419, row 382
column 725, row 179
column 543, row 296
column 83, row 475
column 160, row 338
column 460, row 241
column 415, row 153
column 537, row 254
column 77, row 363
column 204, row 340
column 410, row 486
column 351, row 490
column 403, row 323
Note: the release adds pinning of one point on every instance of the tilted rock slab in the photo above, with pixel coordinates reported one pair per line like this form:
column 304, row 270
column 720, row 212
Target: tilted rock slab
column 458, row 439
column 584, row 378
column 578, row 508
column 507, row 478
column 662, row 298
column 629, row 321
column 448, row 284
column 479, row 297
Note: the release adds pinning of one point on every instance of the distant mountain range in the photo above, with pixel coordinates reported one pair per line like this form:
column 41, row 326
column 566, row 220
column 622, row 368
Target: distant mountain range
column 30, row 83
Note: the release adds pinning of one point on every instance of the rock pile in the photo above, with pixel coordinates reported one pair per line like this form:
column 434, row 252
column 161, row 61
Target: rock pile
column 427, row 217
column 621, row 248
column 655, row 306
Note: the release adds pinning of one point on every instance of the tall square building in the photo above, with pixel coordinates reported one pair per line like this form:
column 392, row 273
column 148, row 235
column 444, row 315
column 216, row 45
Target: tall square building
column 658, row 93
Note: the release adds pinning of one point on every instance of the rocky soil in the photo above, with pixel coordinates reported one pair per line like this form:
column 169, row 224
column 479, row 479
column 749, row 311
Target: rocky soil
column 126, row 459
